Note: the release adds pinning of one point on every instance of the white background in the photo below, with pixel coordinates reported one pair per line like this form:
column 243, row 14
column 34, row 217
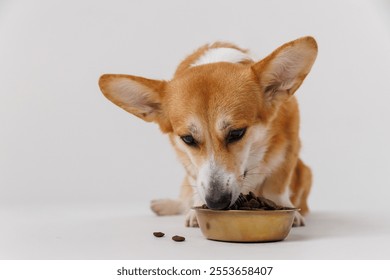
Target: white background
column 77, row 173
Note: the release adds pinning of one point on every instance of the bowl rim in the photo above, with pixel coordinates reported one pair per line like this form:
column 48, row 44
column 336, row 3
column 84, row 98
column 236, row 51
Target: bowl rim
column 199, row 208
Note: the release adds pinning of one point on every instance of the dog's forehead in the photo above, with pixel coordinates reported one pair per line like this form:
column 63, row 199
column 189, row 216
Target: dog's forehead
column 212, row 97
column 201, row 128
column 212, row 85
column 196, row 125
column 211, row 77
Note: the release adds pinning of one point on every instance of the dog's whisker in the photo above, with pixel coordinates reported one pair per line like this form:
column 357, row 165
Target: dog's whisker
column 251, row 168
column 246, row 174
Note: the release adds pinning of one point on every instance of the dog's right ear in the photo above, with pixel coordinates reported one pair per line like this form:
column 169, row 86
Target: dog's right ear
column 139, row 96
column 282, row 72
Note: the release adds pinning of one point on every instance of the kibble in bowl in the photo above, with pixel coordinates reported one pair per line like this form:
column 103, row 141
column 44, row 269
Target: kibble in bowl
column 247, row 221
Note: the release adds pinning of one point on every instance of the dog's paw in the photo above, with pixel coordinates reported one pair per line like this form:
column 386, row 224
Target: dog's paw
column 191, row 220
column 299, row 221
column 164, row 207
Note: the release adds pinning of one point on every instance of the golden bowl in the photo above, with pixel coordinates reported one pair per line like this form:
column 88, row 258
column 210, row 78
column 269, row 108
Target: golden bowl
column 245, row 225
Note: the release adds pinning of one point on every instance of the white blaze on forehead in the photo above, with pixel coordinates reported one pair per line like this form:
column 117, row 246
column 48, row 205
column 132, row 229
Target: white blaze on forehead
column 222, row 55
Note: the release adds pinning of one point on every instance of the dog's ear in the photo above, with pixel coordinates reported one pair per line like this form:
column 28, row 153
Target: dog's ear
column 282, row 72
column 140, row 96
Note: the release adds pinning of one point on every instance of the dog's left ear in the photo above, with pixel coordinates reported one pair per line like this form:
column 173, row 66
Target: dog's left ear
column 282, row 72
column 139, row 96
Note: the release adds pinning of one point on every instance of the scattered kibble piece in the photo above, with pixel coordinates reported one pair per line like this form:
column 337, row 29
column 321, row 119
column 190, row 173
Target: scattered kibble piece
column 158, row 234
column 178, row 238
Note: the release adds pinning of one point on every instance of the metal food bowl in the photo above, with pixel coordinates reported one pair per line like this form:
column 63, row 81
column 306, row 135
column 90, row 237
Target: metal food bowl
column 245, row 225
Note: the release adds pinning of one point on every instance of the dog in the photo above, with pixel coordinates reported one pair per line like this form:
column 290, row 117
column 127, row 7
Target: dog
column 233, row 121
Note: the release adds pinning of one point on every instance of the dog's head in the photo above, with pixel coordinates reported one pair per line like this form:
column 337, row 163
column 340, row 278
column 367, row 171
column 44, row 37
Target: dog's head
column 216, row 114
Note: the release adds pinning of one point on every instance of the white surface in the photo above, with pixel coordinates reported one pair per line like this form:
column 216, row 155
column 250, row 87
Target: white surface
column 123, row 232
column 68, row 157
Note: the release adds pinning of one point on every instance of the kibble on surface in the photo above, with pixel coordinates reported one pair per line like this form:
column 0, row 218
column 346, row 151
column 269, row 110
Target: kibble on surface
column 178, row 238
column 158, row 234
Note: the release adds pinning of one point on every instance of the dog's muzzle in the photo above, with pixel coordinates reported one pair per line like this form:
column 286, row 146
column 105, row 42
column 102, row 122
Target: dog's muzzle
column 219, row 201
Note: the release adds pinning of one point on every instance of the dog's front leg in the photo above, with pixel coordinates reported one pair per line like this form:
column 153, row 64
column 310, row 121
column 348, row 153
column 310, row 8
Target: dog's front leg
column 191, row 219
column 191, row 199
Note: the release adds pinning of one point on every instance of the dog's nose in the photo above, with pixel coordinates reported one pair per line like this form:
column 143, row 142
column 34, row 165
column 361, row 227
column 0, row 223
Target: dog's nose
column 219, row 202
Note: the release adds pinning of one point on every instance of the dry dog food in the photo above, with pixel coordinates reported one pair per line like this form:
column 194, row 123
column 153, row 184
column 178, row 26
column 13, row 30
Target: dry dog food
column 252, row 202
column 158, row 234
column 178, row 238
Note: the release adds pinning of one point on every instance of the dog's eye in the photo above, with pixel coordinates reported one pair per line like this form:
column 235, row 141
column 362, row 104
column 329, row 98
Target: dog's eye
column 189, row 140
column 235, row 135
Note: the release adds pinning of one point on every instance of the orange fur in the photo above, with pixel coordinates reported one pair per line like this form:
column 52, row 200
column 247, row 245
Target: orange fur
column 209, row 101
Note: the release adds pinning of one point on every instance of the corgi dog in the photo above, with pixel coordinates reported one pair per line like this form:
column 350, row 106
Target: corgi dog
column 233, row 121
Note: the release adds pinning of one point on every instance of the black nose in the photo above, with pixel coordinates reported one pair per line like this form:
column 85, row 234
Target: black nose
column 218, row 202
